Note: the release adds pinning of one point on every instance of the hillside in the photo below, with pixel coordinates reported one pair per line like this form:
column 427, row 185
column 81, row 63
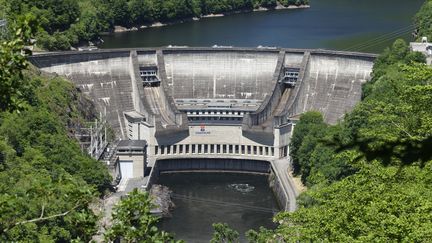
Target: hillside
column 46, row 183
column 67, row 23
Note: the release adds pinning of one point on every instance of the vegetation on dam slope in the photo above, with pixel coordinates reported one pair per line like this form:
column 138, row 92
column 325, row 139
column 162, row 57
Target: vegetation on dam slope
column 370, row 175
column 66, row 23
column 49, row 188
column 423, row 20
column 46, row 183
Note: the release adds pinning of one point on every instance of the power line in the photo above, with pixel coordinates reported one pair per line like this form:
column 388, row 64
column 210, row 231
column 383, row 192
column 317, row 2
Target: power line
column 369, row 44
column 222, row 203
column 381, row 39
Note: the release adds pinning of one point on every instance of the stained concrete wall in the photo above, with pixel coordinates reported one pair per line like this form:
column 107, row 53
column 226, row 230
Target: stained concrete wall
column 220, row 74
column 147, row 58
column 276, row 103
column 332, row 85
column 331, row 82
column 243, row 165
column 105, row 77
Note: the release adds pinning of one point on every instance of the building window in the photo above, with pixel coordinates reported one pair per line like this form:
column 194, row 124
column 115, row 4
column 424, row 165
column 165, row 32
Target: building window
column 162, row 149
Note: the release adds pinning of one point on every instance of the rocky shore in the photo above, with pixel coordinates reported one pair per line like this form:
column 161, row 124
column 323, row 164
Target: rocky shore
column 120, row 29
column 161, row 198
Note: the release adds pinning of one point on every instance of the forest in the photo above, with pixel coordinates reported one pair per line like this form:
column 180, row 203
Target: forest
column 47, row 183
column 63, row 24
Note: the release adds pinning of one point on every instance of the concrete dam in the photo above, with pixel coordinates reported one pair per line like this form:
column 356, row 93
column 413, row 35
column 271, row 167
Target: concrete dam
column 213, row 103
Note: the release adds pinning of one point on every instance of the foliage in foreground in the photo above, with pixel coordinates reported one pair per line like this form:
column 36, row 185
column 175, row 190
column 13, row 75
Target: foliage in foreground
column 224, row 234
column 46, row 183
column 133, row 221
column 423, row 20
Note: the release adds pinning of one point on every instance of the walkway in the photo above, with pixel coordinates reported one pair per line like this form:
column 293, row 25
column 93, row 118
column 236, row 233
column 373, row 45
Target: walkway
column 281, row 167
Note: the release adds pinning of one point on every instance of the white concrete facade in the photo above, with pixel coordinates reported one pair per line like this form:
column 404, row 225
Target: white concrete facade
column 213, row 141
column 132, row 158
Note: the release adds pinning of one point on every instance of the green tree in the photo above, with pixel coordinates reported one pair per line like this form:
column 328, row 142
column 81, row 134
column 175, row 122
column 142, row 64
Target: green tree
column 46, row 183
column 224, row 234
column 377, row 204
column 307, row 121
column 13, row 85
column 423, row 20
column 141, row 11
column 133, row 221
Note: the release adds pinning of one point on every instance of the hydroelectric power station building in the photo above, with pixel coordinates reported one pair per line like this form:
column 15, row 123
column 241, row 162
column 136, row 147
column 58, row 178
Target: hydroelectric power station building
column 217, row 108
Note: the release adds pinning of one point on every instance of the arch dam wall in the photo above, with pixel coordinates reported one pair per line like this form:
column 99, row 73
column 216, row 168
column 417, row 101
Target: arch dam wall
column 328, row 81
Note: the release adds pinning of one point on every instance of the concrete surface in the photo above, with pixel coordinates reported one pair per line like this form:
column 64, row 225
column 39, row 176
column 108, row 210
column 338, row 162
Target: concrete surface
column 281, row 167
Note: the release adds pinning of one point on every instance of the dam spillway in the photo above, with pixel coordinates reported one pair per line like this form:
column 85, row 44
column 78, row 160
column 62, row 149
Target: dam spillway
column 220, row 102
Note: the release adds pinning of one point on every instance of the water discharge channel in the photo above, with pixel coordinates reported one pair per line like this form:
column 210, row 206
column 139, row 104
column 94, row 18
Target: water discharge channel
column 244, row 201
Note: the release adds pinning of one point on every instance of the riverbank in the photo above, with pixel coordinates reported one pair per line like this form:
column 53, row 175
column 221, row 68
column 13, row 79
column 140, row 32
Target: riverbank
column 121, row 29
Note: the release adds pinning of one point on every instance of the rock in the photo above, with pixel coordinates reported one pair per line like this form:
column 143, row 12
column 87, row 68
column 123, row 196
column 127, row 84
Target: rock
column 157, row 24
column 161, row 198
column 118, row 28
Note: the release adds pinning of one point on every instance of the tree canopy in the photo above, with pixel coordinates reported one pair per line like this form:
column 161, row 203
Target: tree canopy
column 46, row 183
column 133, row 221
column 423, row 20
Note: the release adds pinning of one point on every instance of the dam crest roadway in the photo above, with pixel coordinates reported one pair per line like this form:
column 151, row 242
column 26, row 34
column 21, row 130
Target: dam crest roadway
column 214, row 109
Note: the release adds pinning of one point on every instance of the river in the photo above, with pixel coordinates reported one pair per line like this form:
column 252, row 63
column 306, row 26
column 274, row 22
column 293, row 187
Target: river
column 243, row 201
column 359, row 25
